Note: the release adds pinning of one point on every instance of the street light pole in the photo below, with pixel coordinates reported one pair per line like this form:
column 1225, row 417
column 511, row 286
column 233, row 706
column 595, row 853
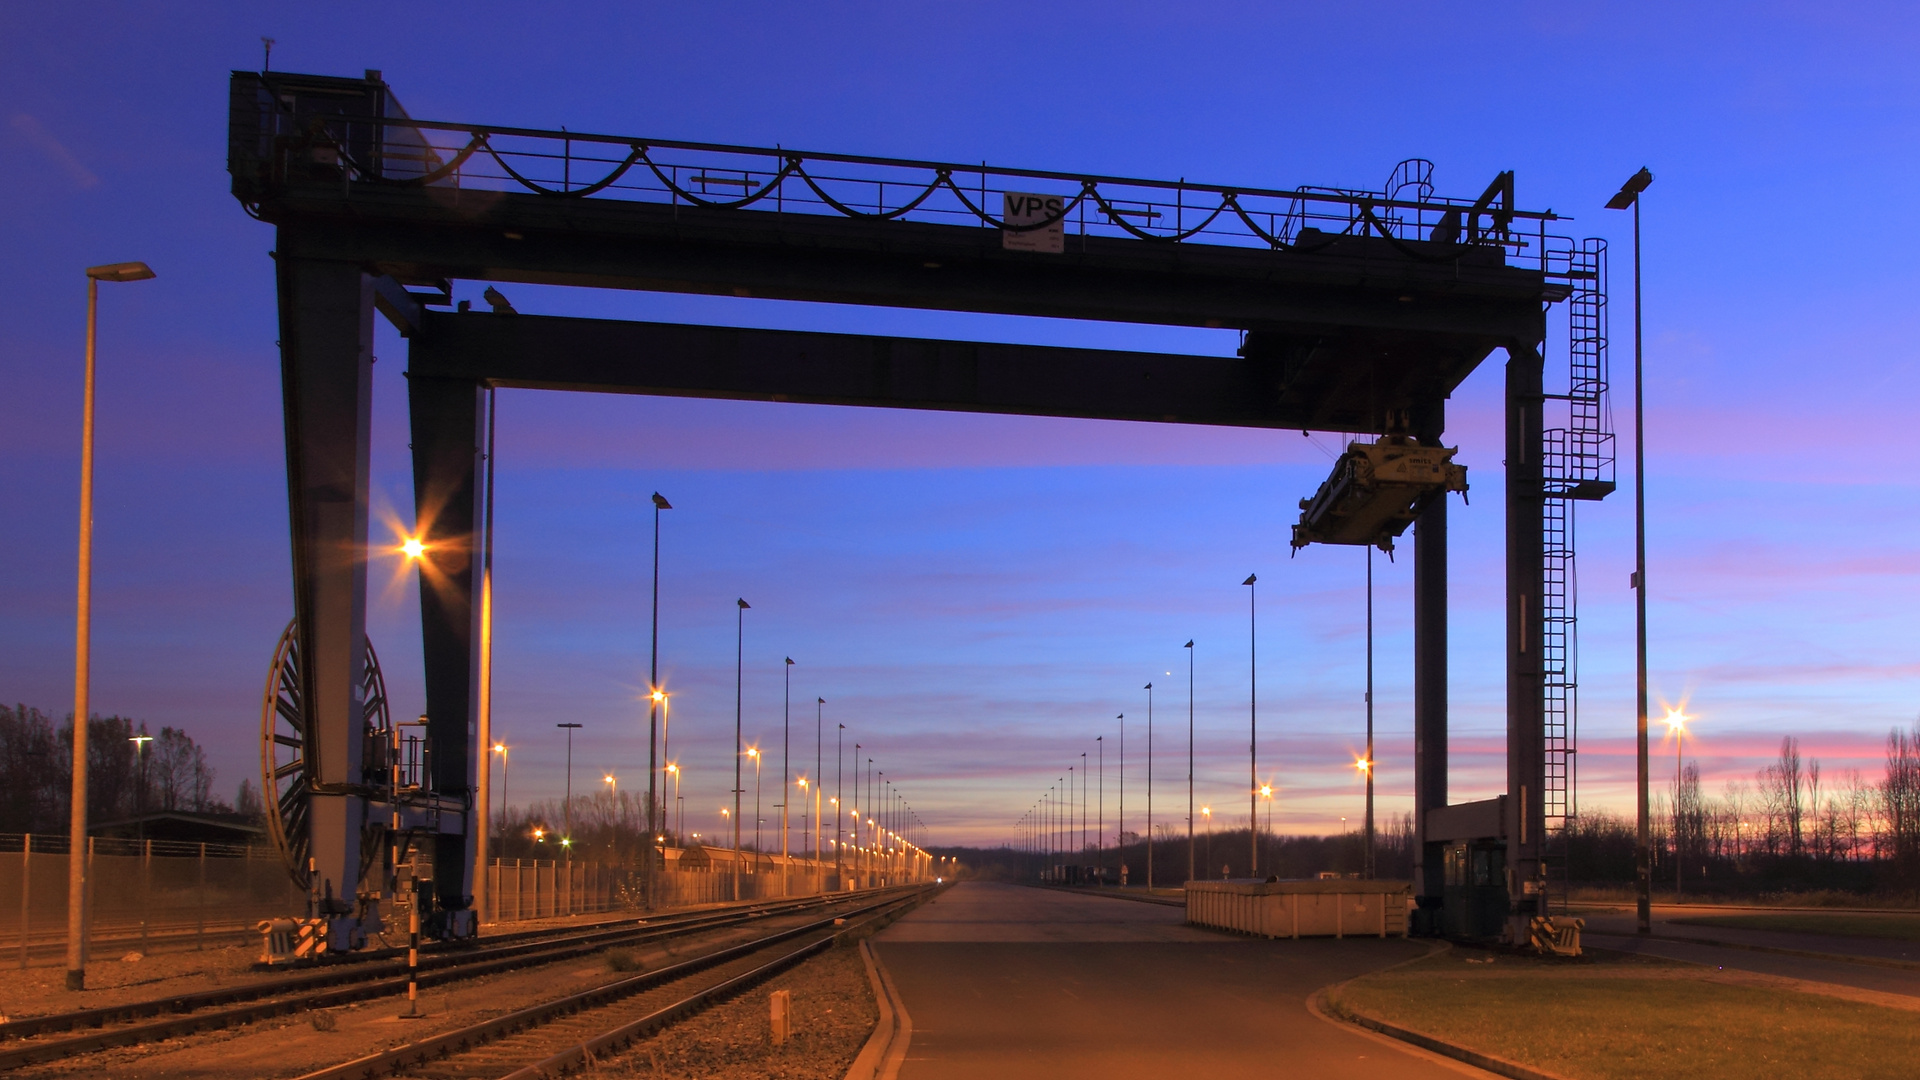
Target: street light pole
column 1628, row 197
column 83, row 640
column 739, row 745
column 1189, row 760
column 1149, row 789
column 566, row 808
column 786, row 749
column 1367, row 862
column 819, row 744
column 1253, row 729
column 754, row 753
column 654, row 696
column 505, row 761
column 1100, row 818
column 839, row 802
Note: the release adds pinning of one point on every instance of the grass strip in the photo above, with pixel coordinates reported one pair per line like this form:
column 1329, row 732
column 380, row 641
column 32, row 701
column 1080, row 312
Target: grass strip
column 1628, row 1018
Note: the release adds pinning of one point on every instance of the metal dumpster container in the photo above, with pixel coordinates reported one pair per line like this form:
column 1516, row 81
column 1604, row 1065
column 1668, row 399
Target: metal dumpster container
column 1343, row 907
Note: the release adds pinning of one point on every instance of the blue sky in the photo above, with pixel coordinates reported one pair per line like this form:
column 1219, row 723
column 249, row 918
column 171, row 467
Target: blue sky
column 978, row 597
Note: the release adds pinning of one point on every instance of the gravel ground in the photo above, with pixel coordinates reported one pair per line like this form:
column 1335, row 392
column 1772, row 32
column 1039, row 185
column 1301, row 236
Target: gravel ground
column 112, row 980
column 833, row 1014
column 42, row 989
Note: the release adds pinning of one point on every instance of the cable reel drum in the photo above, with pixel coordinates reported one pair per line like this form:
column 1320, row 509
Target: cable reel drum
column 285, row 764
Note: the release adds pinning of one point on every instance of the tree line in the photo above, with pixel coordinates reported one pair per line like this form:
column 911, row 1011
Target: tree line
column 168, row 771
column 1792, row 825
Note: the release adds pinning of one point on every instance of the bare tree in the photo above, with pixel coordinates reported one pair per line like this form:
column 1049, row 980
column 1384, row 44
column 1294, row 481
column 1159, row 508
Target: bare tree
column 178, row 776
column 1858, row 816
column 1900, row 805
column 32, row 783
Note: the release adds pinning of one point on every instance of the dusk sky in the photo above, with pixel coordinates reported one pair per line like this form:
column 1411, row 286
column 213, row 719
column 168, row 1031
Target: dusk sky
column 978, row 597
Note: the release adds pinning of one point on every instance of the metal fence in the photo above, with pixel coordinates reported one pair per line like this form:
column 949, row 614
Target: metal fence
column 159, row 896
column 525, row 889
column 143, row 895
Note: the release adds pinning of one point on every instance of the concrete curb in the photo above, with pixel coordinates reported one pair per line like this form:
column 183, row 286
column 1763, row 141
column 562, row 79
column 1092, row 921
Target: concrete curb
column 1320, row 1004
column 886, row 1048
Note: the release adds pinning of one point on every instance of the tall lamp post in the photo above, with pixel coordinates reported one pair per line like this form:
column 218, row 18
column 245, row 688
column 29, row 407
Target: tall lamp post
column 1367, row 859
column 678, row 824
column 140, row 766
column 83, row 640
column 1628, row 197
column 754, row 753
column 1266, row 792
column 502, row 749
column 1253, row 726
column 1189, row 760
column 1676, row 722
column 1100, row 816
column 739, row 745
column 819, row 777
column 1149, row 789
column 1207, row 812
column 786, row 750
column 839, row 806
column 566, row 812
column 654, row 697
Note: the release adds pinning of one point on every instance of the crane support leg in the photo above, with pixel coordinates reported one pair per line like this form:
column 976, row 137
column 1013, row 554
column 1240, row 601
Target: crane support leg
column 447, row 416
column 326, row 359
column 1526, row 748
column 1429, row 688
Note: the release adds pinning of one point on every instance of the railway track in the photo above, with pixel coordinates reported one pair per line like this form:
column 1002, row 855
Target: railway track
column 24, row 1042
column 559, row 1036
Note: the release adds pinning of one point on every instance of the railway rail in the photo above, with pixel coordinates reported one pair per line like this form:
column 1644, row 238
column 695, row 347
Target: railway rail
column 556, row 1037
column 23, row 1042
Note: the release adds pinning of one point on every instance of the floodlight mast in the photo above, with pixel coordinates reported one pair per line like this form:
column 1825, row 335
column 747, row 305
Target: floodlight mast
column 1629, row 197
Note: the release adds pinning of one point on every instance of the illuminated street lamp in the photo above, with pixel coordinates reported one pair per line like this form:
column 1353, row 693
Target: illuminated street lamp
column 140, row 765
column 656, row 699
column 678, row 808
column 805, row 831
column 567, row 814
column 501, row 749
column 1266, row 792
column 739, row 746
column 754, row 753
column 1676, row 722
column 1207, row 812
column 613, row 786
column 1629, row 197
column 83, row 639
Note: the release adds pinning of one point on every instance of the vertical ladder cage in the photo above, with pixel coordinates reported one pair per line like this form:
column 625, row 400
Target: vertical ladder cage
column 1578, row 460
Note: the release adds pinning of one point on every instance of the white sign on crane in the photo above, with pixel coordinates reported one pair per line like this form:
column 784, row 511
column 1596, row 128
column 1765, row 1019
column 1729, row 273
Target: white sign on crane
column 1026, row 208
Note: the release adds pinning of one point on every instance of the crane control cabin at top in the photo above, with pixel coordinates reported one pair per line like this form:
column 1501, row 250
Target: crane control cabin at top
column 1354, row 307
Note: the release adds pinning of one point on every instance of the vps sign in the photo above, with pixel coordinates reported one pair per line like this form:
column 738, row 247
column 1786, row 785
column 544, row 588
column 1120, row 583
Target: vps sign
column 1021, row 208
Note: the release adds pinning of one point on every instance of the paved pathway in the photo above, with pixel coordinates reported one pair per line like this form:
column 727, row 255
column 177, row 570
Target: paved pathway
column 1008, row 982
column 1615, row 930
column 1623, row 921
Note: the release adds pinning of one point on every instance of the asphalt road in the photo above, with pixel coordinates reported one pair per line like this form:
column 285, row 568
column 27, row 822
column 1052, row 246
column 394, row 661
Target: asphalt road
column 1007, row 982
column 1615, row 930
